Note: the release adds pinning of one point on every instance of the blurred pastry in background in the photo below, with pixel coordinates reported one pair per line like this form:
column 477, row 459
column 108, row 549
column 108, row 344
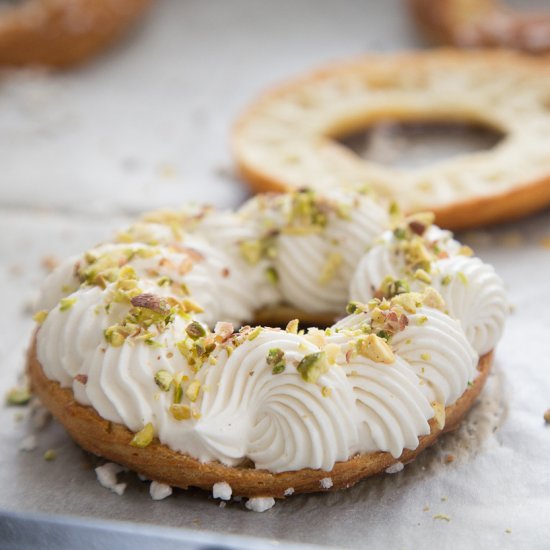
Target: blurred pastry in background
column 297, row 135
column 483, row 23
column 61, row 33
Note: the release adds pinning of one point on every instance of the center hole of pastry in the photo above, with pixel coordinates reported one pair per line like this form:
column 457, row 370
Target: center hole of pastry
column 418, row 144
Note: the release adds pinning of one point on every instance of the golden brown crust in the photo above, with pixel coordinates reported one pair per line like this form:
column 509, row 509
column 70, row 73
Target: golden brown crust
column 491, row 204
column 60, row 33
column 160, row 463
column 481, row 24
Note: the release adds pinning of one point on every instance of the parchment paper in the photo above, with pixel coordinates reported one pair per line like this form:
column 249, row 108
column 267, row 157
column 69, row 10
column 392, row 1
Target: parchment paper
column 148, row 126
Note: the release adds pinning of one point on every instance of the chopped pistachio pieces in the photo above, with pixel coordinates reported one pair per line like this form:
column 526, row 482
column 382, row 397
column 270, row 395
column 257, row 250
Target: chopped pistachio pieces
column 178, row 392
column 195, row 330
column 332, row 350
column 446, row 280
column 272, row 275
column 353, row 307
column 292, row 326
column 18, row 396
column 144, row 437
column 462, row 277
column 40, row 316
column 192, row 391
column 312, row 366
column 425, row 356
column 422, row 276
column 276, row 360
column 254, row 333
column 375, row 348
column 326, row 391
column 66, row 303
column 331, row 267
column 164, row 379
column 180, row 412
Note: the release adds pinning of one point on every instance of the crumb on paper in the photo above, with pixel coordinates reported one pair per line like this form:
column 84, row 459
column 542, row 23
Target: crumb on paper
column 508, row 531
column 28, row 443
column 159, row 491
column 426, row 508
column 289, row 491
column 16, row 270
column 260, row 504
column 50, row 455
column 443, row 517
column 395, row 468
column 545, row 242
column 49, row 263
column 449, row 458
column 18, row 396
column 444, row 499
column 166, row 170
column 478, row 238
column 107, row 477
column 222, row 490
column 511, row 239
column 547, row 416
column 41, row 416
column 326, row 483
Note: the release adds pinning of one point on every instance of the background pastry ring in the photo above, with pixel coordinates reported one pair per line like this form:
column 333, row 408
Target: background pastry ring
column 61, row 33
column 483, row 23
column 160, row 463
column 287, row 139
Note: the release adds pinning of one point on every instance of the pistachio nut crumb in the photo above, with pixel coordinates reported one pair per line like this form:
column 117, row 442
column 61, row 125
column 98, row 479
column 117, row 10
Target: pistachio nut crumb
column 50, row 455
column 443, row 517
column 331, row 267
column 18, row 396
column 312, row 366
column 425, row 356
column 163, row 379
column 272, row 275
column 547, row 416
column 439, row 414
column 195, row 330
column 180, row 412
column 292, row 326
column 40, row 316
column 326, row 391
column 66, row 303
column 144, row 437
column 192, row 391
column 375, row 348
column 276, row 360
column 254, row 333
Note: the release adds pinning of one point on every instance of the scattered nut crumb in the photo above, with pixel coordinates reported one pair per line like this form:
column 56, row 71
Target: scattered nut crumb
column 443, row 517
column 50, row 455
column 449, row 458
column 508, row 531
column 443, row 499
column 512, row 239
column 547, row 416
column 49, row 263
column 426, row 508
column 28, row 443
